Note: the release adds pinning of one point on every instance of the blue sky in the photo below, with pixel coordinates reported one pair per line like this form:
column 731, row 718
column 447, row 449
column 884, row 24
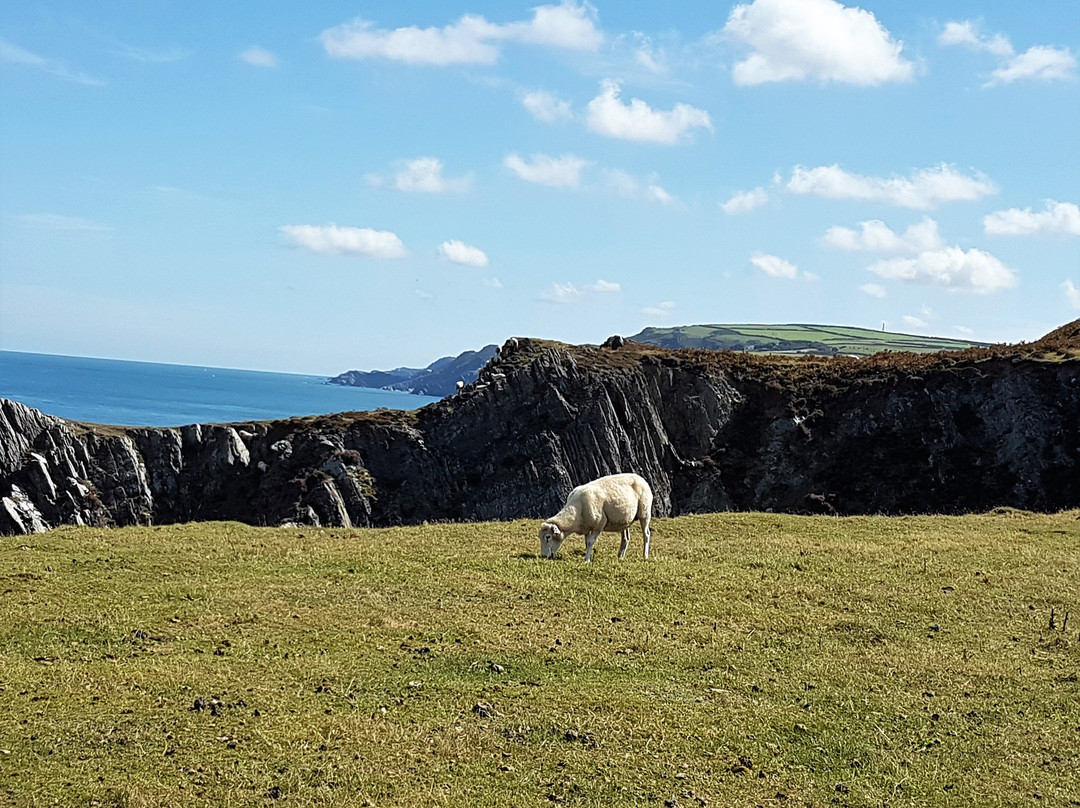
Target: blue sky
column 320, row 186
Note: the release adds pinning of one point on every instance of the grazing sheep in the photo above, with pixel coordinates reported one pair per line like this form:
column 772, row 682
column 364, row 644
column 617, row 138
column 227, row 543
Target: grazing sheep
column 610, row 504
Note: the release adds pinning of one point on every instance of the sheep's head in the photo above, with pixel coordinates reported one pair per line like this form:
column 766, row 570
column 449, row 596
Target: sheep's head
column 551, row 539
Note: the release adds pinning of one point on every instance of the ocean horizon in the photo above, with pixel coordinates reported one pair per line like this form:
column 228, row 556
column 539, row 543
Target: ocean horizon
column 130, row 393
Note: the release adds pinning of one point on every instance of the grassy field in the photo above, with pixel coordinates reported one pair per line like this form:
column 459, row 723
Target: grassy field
column 769, row 338
column 757, row 659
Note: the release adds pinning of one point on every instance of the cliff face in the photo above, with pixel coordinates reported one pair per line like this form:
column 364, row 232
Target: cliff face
column 711, row 431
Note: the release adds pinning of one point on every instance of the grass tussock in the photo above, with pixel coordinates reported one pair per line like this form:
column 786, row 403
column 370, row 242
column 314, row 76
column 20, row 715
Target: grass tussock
column 755, row 660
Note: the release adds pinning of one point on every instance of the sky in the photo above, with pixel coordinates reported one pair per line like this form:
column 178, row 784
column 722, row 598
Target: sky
column 323, row 186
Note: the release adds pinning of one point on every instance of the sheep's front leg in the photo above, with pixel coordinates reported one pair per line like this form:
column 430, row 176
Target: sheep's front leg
column 590, row 540
column 625, row 543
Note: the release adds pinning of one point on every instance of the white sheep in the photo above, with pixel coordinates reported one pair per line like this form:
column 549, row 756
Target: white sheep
column 610, row 504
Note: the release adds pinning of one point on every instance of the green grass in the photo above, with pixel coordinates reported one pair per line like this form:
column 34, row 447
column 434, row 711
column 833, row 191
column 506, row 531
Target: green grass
column 845, row 339
column 757, row 659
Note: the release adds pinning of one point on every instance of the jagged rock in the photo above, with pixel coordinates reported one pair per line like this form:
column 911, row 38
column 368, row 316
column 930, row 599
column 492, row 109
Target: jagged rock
column 711, row 431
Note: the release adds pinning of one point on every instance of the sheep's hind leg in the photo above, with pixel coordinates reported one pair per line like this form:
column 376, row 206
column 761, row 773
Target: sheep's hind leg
column 590, row 540
column 625, row 542
column 648, row 536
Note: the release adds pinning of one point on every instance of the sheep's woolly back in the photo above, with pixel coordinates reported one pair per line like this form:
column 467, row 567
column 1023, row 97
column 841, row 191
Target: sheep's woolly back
column 614, row 502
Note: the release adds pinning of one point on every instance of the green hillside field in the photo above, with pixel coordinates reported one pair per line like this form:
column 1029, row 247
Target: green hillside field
column 826, row 339
column 756, row 659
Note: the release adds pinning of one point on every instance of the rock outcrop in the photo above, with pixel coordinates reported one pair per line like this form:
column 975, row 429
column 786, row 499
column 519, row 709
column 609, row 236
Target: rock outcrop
column 712, row 431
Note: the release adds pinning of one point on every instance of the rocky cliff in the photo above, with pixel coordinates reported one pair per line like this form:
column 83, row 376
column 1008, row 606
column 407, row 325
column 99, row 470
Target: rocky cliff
column 893, row 433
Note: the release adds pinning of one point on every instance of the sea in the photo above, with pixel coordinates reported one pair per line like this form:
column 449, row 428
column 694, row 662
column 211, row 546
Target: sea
column 124, row 393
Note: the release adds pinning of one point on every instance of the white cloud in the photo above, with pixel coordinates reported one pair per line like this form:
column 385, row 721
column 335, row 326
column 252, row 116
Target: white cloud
column 637, row 121
column 967, row 33
column 1072, row 294
column 470, row 40
column 459, row 252
column 664, row 309
column 604, row 287
column 569, row 293
column 556, row 172
column 915, row 323
column 546, row 107
column 1037, row 63
column 494, row 283
column 873, row 290
column 628, row 186
column 333, row 240
column 561, row 293
column 652, row 59
column 924, row 190
column 56, row 221
column 775, row 267
column 259, row 57
column 745, row 201
column 460, row 43
column 950, row 268
column 425, row 175
column 822, row 40
column 1040, row 63
column 569, row 25
column 1059, row 217
column 876, row 236
column 13, row 54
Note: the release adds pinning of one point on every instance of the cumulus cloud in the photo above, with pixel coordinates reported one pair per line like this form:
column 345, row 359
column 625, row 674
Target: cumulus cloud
column 569, row 293
column 1038, row 63
column 664, row 309
column 333, row 240
column 259, row 57
column 876, row 236
column 912, row 322
column 745, row 201
column 604, row 287
column 1072, row 294
column 873, row 290
column 924, row 190
column 561, row 293
column 459, row 252
column 628, row 186
column 425, row 175
column 542, row 169
column 1059, row 217
column 820, row 40
column 546, row 107
column 13, row 54
column 607, row 115
column 950, row 268
column 774, row 266
column 967, row 33
column 470, row 40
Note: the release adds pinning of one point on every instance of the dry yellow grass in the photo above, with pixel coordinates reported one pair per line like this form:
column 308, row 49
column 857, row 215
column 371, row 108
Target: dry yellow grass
column 757, row 659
